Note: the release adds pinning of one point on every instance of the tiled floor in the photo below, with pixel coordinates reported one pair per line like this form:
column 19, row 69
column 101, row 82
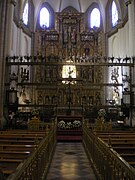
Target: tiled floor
column 70, row 163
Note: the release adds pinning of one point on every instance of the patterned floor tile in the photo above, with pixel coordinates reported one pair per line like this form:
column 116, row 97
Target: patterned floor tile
column 70, row 162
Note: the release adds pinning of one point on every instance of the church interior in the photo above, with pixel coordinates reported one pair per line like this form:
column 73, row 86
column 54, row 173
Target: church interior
column 67, row 89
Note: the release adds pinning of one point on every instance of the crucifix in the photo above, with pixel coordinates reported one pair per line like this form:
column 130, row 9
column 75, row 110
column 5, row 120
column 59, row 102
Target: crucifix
column 69, row 89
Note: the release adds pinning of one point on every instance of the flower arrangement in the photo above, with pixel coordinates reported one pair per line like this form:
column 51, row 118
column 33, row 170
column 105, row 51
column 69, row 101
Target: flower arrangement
column 61, row 124
column 77, row 123
column 102, row 113
column 69, row 125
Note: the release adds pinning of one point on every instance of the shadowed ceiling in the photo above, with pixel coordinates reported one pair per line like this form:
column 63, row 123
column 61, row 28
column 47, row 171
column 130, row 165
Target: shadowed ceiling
column 79, row 5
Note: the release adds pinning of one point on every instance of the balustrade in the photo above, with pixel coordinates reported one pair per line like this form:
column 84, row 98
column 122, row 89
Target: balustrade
column 36, row 166
column 107, row 163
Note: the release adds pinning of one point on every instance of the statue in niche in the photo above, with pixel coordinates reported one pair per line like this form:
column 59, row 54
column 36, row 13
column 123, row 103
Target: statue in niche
column 85, row 73
column 54, row 99
column 38, row 75
column 42, row 40
column 115, row 75
column 40, row 97
column 83, row 58
column 87, row 51
column 97, row 99
column 47, row 100
column 54, row 73
column 90, row 100
column 115, row 95
column 24, row 98
column 77, row 100
column 69, row 32
column 114, row 78
column 13, row 81
column 65, row 36
column 73, row 35
column 98, row 75
column 84, row 100
column 47, row 72
column 90, row 74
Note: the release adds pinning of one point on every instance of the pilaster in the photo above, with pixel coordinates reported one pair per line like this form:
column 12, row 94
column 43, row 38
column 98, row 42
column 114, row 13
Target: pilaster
column 11, row 5
column 131, row 21
column 3, row 22
column 13, row 2
column 127, row 2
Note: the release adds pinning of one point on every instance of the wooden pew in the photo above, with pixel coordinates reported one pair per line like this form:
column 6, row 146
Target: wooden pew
column 14, row 141
column 15, row 147
column 8, row 166
column 22, row 133
column 26, row 136
column 122, row 142
column 124, row 149
column 20, row 139
column 14, row 154
column 130, row 158
column 118, row 139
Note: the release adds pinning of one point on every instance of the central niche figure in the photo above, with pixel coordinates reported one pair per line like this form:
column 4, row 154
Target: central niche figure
column 69, row 71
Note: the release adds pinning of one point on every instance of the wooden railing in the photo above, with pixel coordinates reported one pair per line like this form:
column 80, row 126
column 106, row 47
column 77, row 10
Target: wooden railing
column 107, row 163
column 37, row 165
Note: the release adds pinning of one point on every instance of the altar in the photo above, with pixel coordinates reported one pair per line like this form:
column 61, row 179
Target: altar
column 69, row 128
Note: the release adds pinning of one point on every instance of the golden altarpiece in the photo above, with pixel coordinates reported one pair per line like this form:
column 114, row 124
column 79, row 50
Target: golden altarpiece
column 67, row 70
column 67, row 75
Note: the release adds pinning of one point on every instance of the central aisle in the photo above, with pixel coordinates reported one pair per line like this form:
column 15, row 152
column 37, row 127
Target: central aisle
column 70, row 162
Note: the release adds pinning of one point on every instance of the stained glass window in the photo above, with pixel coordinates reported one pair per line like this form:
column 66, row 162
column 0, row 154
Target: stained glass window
column 44, row 18
column 25, row 14
column 114, row 14
column 95, row 18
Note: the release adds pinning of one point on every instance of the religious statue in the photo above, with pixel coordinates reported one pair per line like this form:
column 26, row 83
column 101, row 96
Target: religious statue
column 13, row 81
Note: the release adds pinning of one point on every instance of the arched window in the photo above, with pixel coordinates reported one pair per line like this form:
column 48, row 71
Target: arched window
column 44, row 18
column 95, row 18
column 114, row 14
column 25, row 13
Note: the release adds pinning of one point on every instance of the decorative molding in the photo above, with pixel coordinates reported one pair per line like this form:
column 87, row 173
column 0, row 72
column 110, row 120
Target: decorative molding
column 13, row 2
column 127, row 2
column 121, row 24
column 20, row 23
column 26, row 30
